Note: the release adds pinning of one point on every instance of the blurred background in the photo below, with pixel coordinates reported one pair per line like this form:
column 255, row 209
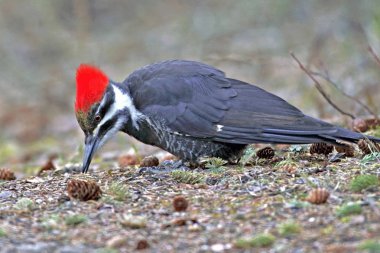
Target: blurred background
column 43, row 41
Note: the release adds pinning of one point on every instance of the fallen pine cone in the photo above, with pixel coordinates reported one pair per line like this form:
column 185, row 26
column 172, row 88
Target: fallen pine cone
column 321, row 148
column 180, row 204
column 127, row 160
column 142, row 244
column 359, row 125
column 318, row 196
column 347, row 150
column 83, row 190
column 7, row 174
column 49, row 165
column 149, row 161
column 372, row 123
column 266, row 153
column 367, row 147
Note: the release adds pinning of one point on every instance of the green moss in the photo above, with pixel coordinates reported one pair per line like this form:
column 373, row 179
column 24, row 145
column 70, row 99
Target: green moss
column 261, row 240
column 298, row 204
column 371, row 246
column 119, row 191
column 349, row 209
column 370, row 158
column 106, row 250
column 25, row 204
column 374, row 132
column 215, row 165
column 289, row 228
column 51, row 222
column 2, row 233
column 187, row 177
column 75, row 219
column 363, row 182
column 327, row 230
column 247, row 156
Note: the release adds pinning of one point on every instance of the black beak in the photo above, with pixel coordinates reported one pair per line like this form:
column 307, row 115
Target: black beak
column 89, row 151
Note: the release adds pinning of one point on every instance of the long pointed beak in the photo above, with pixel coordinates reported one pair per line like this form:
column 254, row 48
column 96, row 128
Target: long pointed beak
column 89, row 151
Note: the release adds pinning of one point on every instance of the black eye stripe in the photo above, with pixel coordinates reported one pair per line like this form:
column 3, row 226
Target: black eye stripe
column 107, row 126
column 107, row 104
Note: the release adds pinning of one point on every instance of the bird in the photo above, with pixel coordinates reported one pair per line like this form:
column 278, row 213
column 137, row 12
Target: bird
column 193, row 111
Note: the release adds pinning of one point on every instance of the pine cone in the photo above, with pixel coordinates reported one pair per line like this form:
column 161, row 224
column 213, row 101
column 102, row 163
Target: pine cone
column 149, row 161
column 180, row 204
column 142, row 244
column 348, row 150
column 359, row 125
column 266, row 153
column 366, row 146
column 83, row 190
column 7, row 174
column 321, row 148
column 318, row 196
column 372, row 123
column 127, row 160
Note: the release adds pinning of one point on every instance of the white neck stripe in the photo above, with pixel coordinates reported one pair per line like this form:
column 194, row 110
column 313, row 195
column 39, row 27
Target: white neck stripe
column 121, row 101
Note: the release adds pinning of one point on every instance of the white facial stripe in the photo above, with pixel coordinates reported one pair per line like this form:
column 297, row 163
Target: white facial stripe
column 121, row 101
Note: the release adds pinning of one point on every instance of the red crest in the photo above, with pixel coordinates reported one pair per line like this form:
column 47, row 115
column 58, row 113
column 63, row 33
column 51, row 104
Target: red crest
column 91, row 85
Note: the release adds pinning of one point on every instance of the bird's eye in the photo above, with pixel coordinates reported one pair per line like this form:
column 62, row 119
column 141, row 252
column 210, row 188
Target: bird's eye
column 98, row 118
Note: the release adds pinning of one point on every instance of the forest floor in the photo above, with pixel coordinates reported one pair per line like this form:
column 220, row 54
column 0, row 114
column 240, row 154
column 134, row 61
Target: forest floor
column 253, row 207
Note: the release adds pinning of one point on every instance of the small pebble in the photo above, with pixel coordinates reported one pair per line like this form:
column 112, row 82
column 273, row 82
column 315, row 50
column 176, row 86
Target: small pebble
column 116, row 241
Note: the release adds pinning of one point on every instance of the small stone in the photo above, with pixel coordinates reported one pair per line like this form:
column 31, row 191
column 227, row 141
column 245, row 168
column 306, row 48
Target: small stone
column 116, row 241
column 217, row 247
column 6, row 194
column 194, row 227
column 63, row 198
column 133, row 221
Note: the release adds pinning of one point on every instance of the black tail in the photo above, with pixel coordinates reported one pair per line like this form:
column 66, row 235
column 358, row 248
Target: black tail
column 348, row 135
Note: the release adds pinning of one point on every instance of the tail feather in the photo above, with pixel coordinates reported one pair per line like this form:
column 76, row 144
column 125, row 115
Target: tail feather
column 347, row 135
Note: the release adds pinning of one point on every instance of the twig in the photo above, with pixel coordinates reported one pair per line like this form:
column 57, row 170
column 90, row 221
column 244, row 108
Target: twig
column 375, row 56
column 320, row 89
column 327, row 78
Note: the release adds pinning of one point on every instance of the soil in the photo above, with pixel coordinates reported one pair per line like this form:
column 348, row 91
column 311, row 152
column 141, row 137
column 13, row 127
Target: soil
column 227, row 210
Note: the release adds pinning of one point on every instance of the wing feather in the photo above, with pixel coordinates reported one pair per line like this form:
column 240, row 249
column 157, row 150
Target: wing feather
column 198, row 100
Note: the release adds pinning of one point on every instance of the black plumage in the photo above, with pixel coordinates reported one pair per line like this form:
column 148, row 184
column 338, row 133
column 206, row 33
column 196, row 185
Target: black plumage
column 193, row 110
column 198, row 100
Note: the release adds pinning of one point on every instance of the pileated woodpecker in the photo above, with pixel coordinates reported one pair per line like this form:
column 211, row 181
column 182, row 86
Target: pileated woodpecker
column 192, row 110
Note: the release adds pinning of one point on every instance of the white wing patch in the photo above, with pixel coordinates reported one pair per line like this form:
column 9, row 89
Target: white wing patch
column 219, row 128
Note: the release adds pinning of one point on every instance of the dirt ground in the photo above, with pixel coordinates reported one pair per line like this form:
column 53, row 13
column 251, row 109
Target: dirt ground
column 259, row 206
